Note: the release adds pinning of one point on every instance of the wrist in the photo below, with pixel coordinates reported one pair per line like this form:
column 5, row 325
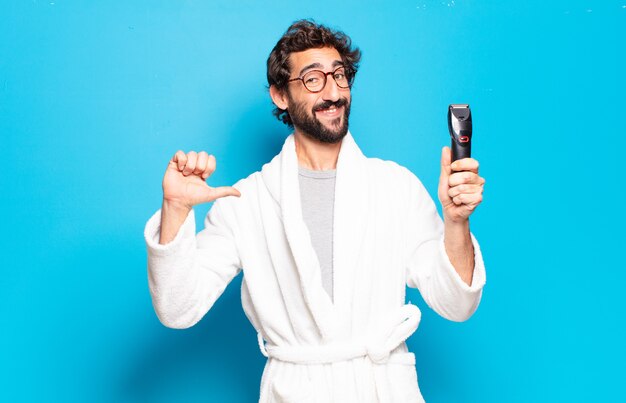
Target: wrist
column 460, row 223
column 456, row 231
column 173, row 215
column 175, row 208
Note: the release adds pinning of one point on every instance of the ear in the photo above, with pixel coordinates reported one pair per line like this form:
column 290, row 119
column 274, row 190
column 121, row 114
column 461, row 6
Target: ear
column 279, row 97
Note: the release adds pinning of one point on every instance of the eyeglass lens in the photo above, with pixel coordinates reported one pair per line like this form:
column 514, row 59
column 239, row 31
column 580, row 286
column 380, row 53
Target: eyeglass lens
column 316, row 80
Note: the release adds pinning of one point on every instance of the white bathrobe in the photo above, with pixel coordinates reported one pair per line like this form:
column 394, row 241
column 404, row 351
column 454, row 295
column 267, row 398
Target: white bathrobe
column 387, row 234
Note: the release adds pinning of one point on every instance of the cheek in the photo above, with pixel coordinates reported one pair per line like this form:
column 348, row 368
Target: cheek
column 347, row 96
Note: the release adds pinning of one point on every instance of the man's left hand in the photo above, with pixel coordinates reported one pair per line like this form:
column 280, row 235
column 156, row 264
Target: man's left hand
column 460, row 187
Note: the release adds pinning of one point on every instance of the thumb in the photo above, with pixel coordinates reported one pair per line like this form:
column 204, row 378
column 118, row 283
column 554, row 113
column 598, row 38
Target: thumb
column 446, row 161
column 446, row 171
column 223, row 191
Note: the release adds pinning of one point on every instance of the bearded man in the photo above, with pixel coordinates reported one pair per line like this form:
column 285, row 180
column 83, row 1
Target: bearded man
column 327, row 240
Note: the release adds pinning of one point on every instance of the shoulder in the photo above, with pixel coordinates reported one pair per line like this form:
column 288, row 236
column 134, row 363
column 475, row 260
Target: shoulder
column 247, row 187
column 248, row 183
column 393, row 178
column 387, row 170
column 235, row 212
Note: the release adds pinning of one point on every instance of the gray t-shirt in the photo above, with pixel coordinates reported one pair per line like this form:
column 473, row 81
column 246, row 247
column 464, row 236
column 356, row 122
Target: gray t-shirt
column 317, row 194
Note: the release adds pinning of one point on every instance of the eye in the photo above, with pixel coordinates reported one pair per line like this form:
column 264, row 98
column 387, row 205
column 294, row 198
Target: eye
column 340, row 75
column 311, row 80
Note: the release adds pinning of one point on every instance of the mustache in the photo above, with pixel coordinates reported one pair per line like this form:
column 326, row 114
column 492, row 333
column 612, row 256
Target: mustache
column 327, row 104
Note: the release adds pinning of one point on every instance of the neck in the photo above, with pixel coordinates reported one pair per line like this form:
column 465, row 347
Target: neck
column 315, row 155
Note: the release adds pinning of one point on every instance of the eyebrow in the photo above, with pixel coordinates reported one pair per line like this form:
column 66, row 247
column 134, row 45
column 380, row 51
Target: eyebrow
column 317, row 65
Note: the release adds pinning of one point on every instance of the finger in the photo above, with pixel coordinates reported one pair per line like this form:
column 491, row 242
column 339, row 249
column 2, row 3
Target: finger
column 203, row 157
column 464, row 188
column 468, row 207
column 458, row 178
column 465, row 164
column 210, row 167
column 180, row 159
column 471, row 200
column 192, row 159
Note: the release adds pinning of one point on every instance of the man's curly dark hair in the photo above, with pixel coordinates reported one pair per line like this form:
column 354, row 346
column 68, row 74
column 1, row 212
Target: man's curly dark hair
column 300, row 36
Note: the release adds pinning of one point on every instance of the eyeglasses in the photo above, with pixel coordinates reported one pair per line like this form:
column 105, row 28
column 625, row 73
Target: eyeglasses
column 315, row 80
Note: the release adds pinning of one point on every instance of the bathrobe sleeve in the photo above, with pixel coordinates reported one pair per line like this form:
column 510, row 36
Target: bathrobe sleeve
column 428, row 267
column 187, row 275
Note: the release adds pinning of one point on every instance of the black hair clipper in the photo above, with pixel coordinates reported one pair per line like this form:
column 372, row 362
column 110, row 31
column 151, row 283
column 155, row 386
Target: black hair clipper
column 460, row 127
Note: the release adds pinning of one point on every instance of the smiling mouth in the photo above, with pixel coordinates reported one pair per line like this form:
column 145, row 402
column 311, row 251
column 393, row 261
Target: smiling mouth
column 333, row 111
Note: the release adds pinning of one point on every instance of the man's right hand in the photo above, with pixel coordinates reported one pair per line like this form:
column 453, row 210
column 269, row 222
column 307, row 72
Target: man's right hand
column 184, row 183
column 184, row 186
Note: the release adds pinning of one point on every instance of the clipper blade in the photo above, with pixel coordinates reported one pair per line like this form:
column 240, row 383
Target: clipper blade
column 460, row 127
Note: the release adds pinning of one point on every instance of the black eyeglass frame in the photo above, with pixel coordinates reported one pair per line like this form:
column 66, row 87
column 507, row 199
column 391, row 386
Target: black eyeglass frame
column 347, row 72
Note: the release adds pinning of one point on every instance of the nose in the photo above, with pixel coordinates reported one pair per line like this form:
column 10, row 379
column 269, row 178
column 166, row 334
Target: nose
column 331, row 89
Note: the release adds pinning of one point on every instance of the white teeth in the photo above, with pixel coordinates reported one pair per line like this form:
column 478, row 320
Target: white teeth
column 329, row 110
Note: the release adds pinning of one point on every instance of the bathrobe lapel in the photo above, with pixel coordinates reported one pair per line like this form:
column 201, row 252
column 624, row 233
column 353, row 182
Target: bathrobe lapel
column 350, row 225
column 350, row 218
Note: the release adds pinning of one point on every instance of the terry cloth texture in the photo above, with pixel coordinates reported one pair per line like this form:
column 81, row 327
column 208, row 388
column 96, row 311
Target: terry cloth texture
column 351, row 349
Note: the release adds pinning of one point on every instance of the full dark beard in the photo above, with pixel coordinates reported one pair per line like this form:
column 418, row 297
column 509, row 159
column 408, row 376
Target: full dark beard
column 311, row 127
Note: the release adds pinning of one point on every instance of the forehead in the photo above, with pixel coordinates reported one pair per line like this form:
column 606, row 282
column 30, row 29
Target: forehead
column 322, row 58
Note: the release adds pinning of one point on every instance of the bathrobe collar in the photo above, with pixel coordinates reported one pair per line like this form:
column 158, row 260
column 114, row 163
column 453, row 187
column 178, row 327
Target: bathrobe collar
column 350, row 218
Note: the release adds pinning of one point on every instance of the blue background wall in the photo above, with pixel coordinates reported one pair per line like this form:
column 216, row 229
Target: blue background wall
column 96, row 97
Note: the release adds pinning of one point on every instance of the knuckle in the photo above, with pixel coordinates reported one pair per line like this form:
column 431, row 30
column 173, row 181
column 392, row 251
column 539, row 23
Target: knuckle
column 211, row 164
column 202, row 162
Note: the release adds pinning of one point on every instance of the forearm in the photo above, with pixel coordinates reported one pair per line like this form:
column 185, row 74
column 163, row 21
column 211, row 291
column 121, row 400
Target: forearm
column 459, row 248
column 172, row 218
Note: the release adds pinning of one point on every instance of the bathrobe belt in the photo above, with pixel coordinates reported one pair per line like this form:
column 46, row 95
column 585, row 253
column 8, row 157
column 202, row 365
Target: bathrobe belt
column 396, row 329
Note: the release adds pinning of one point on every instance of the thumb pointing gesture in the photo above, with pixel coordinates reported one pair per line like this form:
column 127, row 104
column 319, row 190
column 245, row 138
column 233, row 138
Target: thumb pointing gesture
column 184, row 180
column 223, row 191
